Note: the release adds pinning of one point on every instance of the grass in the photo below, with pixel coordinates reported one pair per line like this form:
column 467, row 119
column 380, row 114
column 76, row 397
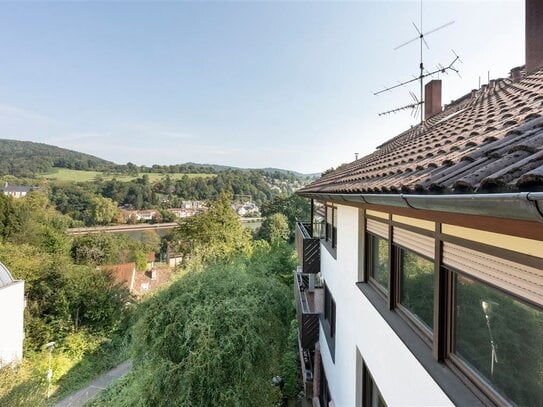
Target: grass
column 66, row 175
column 73, row 368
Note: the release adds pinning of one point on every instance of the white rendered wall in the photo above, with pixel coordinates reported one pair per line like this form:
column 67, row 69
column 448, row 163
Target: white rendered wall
column 399, row 376
column 11, row 323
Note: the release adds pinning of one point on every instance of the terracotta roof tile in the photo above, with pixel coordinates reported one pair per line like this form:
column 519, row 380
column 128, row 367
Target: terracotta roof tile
column 490, row 140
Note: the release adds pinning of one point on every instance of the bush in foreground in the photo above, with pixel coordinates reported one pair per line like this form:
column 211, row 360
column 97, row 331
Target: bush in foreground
column 214, row 338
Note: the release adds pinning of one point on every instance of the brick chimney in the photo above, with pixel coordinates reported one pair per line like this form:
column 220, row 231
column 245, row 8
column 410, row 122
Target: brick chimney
column 432, row 98
column 534, row 35
column 516, row 74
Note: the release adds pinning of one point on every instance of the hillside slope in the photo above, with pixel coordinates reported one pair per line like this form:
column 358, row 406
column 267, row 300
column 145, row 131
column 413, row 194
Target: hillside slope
column 26, row 158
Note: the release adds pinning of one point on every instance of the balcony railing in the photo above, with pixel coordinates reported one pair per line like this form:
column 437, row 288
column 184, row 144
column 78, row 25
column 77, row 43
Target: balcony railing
column 309, row 304
column 308, row 248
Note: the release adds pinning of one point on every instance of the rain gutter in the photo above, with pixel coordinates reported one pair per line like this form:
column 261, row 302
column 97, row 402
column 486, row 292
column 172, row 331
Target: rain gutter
column 521, row 205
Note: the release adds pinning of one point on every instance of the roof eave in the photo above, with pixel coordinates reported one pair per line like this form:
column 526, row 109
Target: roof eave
column 520, row 206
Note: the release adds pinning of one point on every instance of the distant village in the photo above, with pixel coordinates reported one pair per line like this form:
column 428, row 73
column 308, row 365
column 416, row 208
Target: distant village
column 245, row 209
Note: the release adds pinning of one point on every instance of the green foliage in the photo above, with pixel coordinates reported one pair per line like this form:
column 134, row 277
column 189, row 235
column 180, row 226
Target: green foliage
column 103, row 210
column 214, row 338
column 140, row 258
column 291, row 364
column 25, row 158
column 214, row 234
column 79, row 358
column 9, row 218
column 277, row 260
column 107, row 248
column 294, row 207
column 274, row 228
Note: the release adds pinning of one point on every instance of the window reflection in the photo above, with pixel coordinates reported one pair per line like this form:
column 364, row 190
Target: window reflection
column 501, row 338
column 417, row 286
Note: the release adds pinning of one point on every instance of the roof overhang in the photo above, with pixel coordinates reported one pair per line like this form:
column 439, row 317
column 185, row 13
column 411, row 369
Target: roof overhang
column 521, row 205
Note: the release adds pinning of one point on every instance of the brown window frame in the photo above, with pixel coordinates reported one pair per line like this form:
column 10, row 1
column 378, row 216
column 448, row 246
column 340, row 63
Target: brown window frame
column 422, row 330
column 383, row 291
column 441, row 340
column 330, row 233
column 325, row 397
column 329, row 321
column 368, row 383
column 468, row 374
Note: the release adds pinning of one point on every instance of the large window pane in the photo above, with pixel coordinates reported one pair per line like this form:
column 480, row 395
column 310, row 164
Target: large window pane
column 379, row 260
column 417, row 286
column 502, row 338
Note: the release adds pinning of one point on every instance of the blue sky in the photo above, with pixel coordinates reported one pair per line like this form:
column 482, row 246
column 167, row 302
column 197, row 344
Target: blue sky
column 252, row 84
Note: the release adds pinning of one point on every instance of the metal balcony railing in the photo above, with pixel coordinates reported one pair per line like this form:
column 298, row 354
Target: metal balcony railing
column 308, row 248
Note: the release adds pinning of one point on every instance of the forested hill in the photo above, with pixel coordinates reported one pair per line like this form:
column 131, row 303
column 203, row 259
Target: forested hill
column 26, row 158
column 268, row 170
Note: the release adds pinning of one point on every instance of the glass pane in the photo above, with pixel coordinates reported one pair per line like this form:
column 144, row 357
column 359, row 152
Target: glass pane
column 376, row 398
column 417, row 288
column 502, row 338
column 319, row 220
column 379, row 260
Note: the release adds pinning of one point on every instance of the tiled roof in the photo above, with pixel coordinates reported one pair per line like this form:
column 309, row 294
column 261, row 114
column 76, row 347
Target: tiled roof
column 489, row 141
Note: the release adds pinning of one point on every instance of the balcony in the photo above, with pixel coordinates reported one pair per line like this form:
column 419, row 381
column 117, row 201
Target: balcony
column 308, row 249
column 309, row 304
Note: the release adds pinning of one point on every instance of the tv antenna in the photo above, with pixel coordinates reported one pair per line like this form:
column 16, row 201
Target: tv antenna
column 416, row 106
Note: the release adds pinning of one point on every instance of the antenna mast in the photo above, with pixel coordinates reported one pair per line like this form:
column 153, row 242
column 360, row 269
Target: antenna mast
column 416, row 107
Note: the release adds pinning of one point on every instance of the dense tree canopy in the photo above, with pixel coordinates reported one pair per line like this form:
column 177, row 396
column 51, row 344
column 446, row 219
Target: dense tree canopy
column 294, row 207
column 61, row 296
column 215, row 338
column 216, row 233
column 275, row 228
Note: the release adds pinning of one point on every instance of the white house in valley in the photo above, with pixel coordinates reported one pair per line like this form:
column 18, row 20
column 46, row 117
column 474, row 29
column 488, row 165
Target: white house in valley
column 12, row 305
column 420, row 278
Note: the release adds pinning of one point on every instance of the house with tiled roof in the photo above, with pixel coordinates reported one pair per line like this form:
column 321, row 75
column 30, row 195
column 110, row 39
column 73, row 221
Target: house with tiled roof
column 420, row 278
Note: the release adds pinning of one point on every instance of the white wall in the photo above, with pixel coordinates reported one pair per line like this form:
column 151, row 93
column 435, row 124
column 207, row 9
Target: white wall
column 398, row 375
column 11, row 323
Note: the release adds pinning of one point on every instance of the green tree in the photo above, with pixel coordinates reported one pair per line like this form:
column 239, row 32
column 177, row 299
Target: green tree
column 103, row 210
column 214, row 338
column 274, row 228
column 294, row 207
column 214, row 234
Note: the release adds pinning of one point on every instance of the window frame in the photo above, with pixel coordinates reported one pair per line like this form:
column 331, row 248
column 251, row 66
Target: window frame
column 328, row 321
column 330, row 231
column 424, row 331
column 462, row 383
column 455, row 362
column 324, row 392
column 368, row 384
column 370, row 262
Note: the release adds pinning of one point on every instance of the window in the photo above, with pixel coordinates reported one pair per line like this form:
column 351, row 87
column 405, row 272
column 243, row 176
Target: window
column 329, row 323
column 500, row 338
column 324, row 397
column 319, row 220
column 371, row 396
column 417, row 286
column 481, row 316
column 378, row 261
column 331, row 225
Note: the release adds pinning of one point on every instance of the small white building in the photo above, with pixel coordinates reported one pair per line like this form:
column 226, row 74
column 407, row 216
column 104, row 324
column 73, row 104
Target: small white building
column 16, row 191
column 12, row 305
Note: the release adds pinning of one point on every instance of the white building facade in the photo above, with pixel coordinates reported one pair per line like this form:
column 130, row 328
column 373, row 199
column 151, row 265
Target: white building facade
column 420, row 278
column 12, row 305
column 361, row 331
